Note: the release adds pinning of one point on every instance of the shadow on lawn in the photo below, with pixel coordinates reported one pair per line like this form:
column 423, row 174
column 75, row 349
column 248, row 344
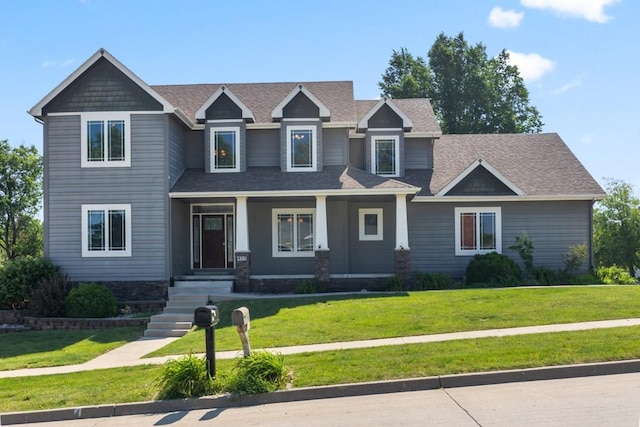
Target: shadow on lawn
column 32, row 342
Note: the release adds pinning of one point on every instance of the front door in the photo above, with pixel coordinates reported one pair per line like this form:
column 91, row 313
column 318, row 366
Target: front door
column 213, row 241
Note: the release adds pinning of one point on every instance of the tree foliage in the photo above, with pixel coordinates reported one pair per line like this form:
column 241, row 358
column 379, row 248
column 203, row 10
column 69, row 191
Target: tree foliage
column 20, row 192
column 616, row 220
column 470, row 92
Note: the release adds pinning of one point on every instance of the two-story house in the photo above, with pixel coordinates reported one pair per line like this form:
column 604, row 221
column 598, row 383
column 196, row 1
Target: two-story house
column 272, row 183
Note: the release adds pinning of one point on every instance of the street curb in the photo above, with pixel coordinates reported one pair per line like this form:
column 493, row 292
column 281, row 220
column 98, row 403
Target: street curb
column 325, row 392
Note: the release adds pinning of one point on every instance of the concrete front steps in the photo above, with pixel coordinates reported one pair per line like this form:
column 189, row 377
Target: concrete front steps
column 187, row 294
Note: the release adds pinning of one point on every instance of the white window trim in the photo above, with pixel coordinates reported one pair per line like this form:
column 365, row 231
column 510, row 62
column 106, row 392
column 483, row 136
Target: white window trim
column 212, row 133
column 314, row 149
column 274, row 232
column 361, row 227
column 86, row 253
column 396, row 140
column 105, row 116
column 497, row 211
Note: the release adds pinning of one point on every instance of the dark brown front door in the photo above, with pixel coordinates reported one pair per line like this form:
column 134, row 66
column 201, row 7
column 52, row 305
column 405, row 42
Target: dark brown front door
column 213, row 241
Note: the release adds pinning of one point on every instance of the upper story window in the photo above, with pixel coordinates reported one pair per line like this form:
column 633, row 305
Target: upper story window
column 385, row 155
column 106, row 230
column 301, row 148
column 106, row 140
column 478, row 230
column 225, row 149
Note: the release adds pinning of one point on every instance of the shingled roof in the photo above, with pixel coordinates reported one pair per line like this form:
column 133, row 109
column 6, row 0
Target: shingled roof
column 539, row 164
column 340, row 179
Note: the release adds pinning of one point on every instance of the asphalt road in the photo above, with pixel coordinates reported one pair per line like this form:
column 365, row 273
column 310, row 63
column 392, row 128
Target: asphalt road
column 612, row 400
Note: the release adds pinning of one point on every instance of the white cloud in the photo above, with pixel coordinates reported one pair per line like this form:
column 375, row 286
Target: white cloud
column 577, row 82
column 531, row 65
column 504, row 18
column 591, row 10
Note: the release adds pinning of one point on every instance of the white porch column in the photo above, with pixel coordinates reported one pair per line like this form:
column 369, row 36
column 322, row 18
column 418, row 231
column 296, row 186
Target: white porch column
column 242, row 225
column 402, row 227
column 321, row 234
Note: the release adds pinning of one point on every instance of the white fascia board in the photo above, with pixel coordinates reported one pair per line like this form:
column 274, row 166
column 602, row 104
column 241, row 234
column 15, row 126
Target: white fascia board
column 493, row 199
column 423, row 135
column 406, row 121
column 36, row 110
column 303, row 193
column 491, row 170
column 277, row 113
column 247, row 114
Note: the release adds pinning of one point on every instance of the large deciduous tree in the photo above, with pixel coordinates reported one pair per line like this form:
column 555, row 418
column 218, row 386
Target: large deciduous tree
column 470, row 92
column 616, row 221
column 20, row 193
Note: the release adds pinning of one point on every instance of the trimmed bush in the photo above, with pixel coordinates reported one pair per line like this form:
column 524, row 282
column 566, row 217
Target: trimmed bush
column 615, row 275
column 47, row 300
column 433, row 281
column 394, row 284
column 260, row 372
column 546, row 276
column 493, row 269
column 18, row 278
column 308, row 287
column 91, row 300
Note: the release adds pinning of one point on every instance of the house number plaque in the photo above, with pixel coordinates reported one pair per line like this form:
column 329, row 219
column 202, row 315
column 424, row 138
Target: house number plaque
column 241, row 258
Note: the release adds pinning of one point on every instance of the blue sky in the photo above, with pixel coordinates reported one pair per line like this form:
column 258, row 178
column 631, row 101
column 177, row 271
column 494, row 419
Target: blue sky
column 579, row 58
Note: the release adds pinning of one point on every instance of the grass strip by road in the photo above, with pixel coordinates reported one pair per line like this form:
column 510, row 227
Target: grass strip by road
column 311, row 320
column 136, row 384
column 37, row 349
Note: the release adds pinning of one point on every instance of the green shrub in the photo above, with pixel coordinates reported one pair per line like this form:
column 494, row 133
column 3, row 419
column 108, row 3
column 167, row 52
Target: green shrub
column 433, row 281
column 395, row 284
column 546, row 276
column 185, row 377
column 19, row 277
column 615, row 275
column 493, row 268
column 574, row 258
column 260, row 372
column 48, row 298
column 308, row 287
column 91, row 300
column 585, row 279
column 524, row 247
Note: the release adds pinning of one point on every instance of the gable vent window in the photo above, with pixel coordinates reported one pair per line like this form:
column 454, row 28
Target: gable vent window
column 106, row 140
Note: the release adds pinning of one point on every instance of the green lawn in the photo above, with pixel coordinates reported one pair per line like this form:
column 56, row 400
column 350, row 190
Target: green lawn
column 136, row 384
column 304, row 320
column 310, row 320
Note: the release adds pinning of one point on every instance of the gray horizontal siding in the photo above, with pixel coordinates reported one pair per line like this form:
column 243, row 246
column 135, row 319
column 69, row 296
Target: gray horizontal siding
column 263, row 147
column 260, row 238
column 418, row 153
column 194, row 150
column 180, row 237
column 177, row 151
column 372, row 256
column 552, row 226
column 143, row 185
column 335, row 147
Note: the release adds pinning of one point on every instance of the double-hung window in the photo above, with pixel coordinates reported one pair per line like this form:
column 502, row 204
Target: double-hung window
column 106, row 140
column 301, row 148
column 293, row 232
column 385, row 155
column 106, row 230
column 478, row 230
column 225, row 149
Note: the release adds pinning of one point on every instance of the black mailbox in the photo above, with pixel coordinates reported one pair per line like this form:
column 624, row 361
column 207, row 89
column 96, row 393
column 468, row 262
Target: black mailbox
column 206, row 317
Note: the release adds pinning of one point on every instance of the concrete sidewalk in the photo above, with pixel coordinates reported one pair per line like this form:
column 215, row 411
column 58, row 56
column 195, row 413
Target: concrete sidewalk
column 132, row 354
